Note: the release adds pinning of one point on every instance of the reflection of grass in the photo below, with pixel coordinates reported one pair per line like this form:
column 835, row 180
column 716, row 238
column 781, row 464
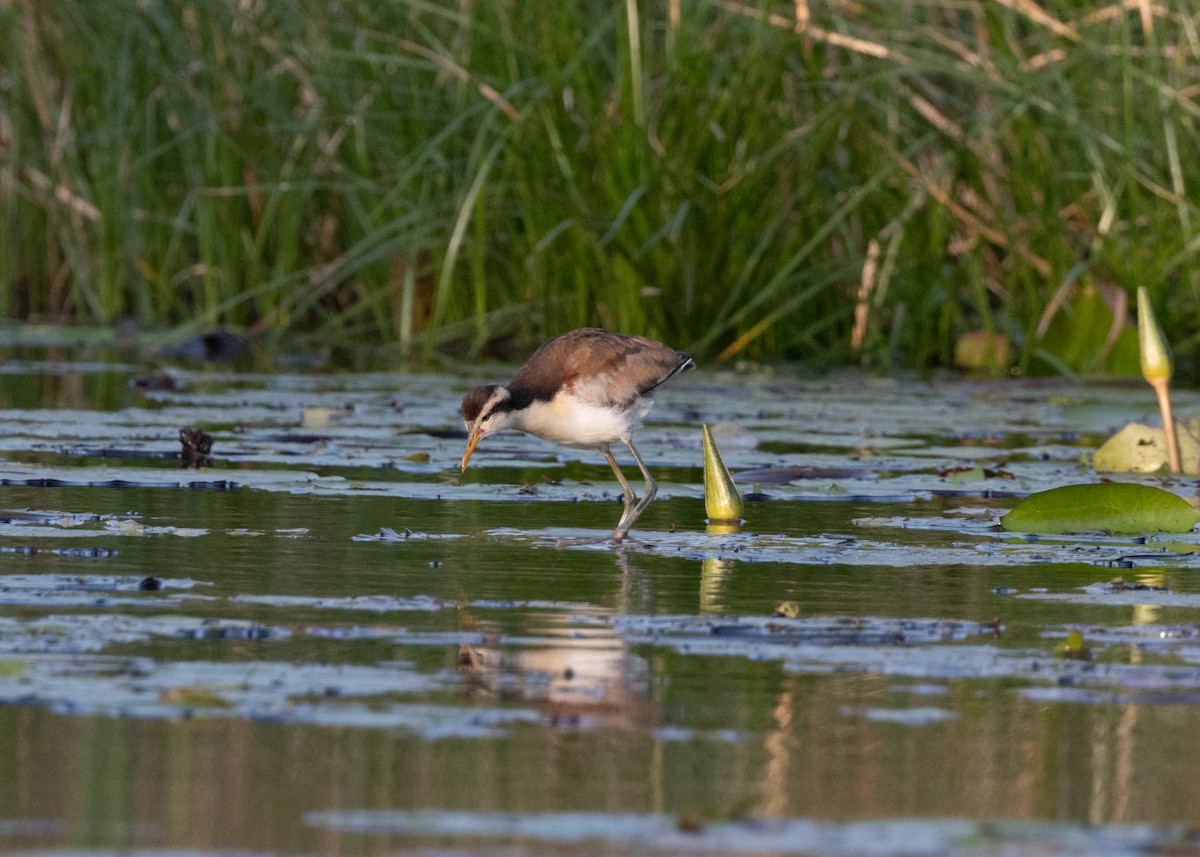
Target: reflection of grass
column 731, row 179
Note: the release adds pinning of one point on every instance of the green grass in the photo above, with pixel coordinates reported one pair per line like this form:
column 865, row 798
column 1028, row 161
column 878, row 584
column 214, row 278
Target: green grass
column 449, row 175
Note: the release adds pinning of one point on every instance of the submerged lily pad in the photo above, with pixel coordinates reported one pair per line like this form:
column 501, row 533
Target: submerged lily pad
column 661, row 833
column 982, row 547
column 76, row 633
column 1103, row 594
column 1140, row 448
column 92, row 590
column 280, row 691
column 1111, row 507
column 904, row 716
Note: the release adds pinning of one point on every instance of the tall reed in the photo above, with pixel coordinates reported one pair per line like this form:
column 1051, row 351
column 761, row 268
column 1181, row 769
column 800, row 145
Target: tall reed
column 840, row 182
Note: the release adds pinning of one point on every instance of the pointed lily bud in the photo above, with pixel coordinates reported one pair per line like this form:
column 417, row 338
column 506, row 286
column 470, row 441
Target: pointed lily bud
column 722, row 502
column 1156, row 369
column 1156, row 357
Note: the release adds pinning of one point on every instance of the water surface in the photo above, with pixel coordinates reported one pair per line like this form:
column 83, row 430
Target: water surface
column 333, row 641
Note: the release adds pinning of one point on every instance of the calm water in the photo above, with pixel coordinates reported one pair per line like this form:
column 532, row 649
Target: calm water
column 310, row 680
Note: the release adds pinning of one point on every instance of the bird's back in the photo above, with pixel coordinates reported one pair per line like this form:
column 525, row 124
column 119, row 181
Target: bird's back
column 598, row 367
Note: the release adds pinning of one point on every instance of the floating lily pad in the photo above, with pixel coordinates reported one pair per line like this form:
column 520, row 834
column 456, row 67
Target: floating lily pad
column 1110, row 507
column 1140, row 448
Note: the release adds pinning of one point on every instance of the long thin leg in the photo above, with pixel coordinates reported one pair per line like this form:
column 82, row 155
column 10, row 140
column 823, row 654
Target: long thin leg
column 651, row 485
column 651, row 490
column 631, row 499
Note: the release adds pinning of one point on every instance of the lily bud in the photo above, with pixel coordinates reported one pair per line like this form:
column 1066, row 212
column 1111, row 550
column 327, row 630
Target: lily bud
column 722, row 502
column 1156, row 357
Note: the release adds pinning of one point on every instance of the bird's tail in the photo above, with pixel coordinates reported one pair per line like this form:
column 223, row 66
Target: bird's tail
column 684, row 363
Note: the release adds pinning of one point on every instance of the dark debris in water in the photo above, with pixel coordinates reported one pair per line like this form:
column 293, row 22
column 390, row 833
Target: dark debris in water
column 213, row 346
column 195, row 448
column 155, row 381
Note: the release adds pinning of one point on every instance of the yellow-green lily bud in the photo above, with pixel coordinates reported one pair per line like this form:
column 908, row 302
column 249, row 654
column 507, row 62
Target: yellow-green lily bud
column 722, row 502
column 1156, row 357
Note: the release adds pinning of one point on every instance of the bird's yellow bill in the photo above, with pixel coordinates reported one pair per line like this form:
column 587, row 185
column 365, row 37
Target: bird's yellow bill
column 472, row 441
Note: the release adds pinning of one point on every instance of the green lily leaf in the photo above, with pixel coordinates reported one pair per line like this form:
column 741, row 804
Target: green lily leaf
column 1114, row 507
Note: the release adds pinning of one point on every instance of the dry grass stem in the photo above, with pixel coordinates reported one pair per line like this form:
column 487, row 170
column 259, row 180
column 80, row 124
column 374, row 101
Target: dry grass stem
column 862, row 306
column 453, row 68
column 802, row 26
column 1040, row 16
column 1116, row 10
column 973, row 224
column 47, row 188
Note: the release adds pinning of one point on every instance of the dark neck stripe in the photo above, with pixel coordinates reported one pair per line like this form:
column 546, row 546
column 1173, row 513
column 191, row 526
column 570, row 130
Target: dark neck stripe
column 522, row 397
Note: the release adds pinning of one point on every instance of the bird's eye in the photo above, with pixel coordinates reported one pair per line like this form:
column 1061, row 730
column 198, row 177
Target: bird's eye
column 486, row 417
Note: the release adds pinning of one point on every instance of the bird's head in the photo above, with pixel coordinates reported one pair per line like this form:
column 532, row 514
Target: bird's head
column 484, row 411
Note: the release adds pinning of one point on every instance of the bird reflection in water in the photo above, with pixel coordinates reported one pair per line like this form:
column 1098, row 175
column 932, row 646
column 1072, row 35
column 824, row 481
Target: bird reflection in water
column 573, row 666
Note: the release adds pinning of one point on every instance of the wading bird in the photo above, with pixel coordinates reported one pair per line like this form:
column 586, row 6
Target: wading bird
column 584, row 389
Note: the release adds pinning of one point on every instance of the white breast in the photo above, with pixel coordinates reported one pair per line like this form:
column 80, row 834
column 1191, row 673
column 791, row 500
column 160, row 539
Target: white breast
column 569, row 421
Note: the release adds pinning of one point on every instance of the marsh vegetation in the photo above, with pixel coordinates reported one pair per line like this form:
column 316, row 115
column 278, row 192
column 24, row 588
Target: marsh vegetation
column 838, row 182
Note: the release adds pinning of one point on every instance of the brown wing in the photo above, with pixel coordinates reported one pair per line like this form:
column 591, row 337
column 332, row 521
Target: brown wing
column 616, row 369
column 599, row 367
